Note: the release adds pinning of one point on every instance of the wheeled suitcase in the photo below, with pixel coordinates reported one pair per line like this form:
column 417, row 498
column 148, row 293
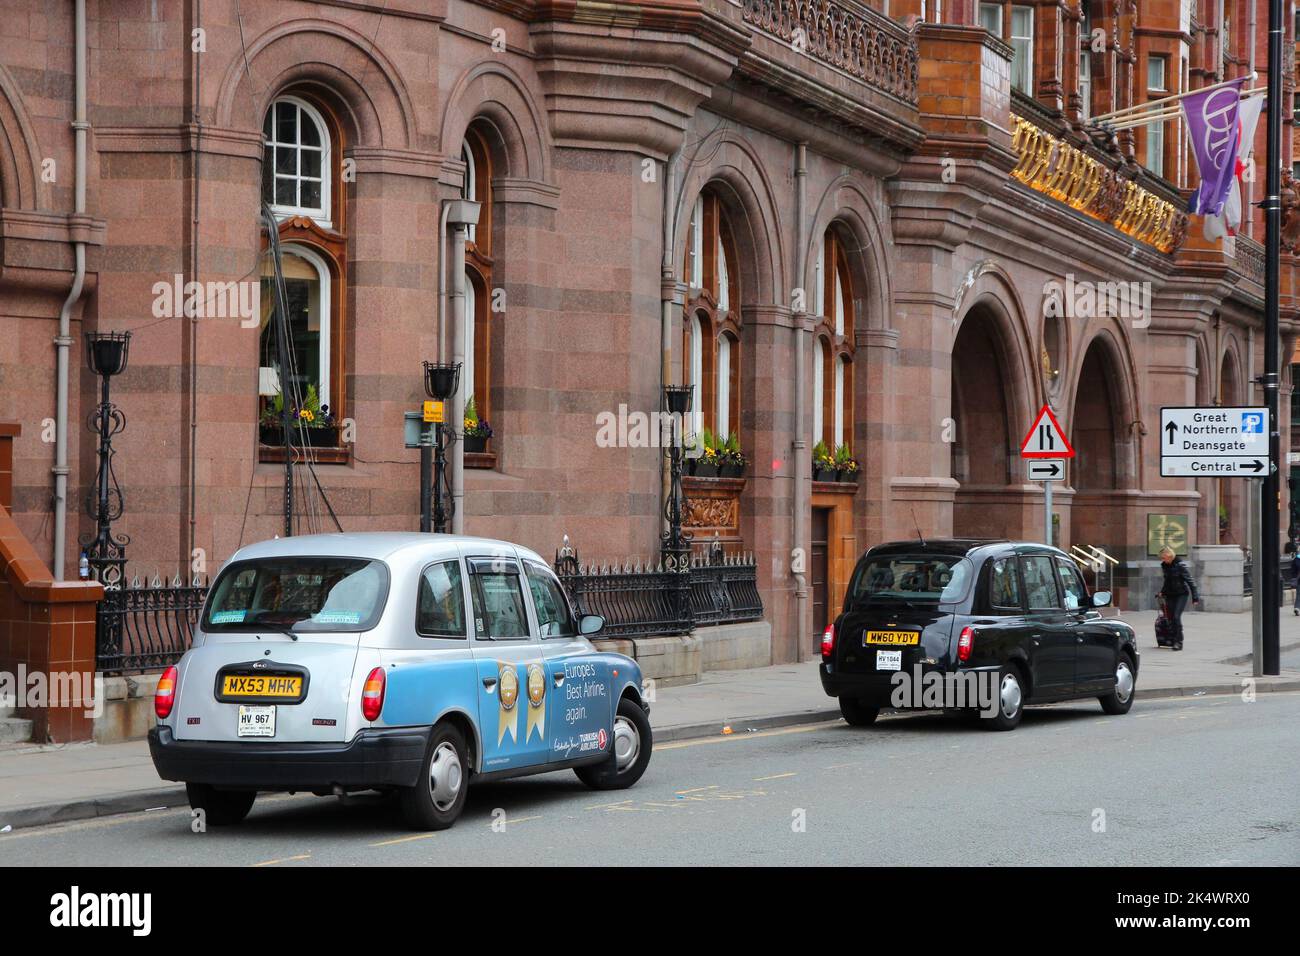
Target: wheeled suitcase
column 1164, row 626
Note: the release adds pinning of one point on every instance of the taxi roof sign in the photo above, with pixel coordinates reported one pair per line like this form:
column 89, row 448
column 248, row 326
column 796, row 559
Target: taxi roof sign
column 1046, row 438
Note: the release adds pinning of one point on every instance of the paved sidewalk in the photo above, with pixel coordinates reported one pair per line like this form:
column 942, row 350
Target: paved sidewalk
column 78, row 781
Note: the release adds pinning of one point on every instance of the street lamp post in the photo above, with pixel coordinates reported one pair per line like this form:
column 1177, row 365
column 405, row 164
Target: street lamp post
column 441, row 380
column 676, row 543
column 107, row 354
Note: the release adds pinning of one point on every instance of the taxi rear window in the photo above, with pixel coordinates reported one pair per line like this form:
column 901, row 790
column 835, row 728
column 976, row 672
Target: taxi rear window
column 303, row 594
column 908, row 578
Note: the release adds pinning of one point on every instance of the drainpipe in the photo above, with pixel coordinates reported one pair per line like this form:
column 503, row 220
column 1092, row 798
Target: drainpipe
column 460, row 214
column 197, row 119
column 802, row 487
column 442, row 283
column 64, row 340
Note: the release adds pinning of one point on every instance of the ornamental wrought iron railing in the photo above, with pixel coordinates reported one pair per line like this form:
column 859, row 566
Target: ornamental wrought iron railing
column 645, row 599
column 150, row 624
column 147, row 625
column 726, row 591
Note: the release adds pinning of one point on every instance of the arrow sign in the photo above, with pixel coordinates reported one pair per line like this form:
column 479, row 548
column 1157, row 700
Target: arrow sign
column 1213, row 467
column 1046, row 438
column 1171, row 430
column 1045, row 469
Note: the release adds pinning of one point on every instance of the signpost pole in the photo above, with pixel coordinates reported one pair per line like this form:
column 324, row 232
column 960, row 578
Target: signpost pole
column 1268, row 556
column 426, row 480
column 1047, row 507
column 1257, row 598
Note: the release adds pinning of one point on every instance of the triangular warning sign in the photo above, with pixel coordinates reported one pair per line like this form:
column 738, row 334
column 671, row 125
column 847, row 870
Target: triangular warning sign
column 1046, row 438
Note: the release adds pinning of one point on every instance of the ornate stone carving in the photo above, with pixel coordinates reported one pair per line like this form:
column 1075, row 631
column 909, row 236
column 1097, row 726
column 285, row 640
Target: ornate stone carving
column 712, row 512
column 1290, row 197
column 846, row 35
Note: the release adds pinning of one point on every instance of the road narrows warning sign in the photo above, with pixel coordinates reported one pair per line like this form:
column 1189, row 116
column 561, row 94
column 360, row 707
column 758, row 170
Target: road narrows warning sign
column 1046, row 438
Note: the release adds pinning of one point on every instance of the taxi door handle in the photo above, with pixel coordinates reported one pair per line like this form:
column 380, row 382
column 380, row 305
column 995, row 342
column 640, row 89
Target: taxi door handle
column 558, row 677
column 489, row 683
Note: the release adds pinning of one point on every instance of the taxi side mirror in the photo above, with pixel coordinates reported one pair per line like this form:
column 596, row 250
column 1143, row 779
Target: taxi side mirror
column 1101, row 599
column 590, row 624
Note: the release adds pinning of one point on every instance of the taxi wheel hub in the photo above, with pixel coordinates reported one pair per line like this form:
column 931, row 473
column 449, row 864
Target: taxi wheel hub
column 627, row 743
column 1010, row 695
column 445, row 777
column 1123, row 681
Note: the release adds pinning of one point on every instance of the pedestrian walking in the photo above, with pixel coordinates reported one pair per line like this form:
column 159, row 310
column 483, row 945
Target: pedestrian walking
column 1295, row 580
column 1178, row 586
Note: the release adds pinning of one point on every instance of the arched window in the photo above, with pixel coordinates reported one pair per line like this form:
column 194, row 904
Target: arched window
column 307, row 288
column 727, row 391
column 696, row 378
column 833, row 303
column 711, row 346
column 841, row 367
column 301, row 183
column 819, row 385
column 475, row 378
column 296, row 175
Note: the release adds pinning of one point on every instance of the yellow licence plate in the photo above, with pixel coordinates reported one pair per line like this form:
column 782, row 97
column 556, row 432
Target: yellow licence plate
column 891, row 637
column 260, row 685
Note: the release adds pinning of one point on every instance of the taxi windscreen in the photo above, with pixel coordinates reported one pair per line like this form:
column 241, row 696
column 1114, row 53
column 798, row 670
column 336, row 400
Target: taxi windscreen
column 931, row 578
column 298, row 594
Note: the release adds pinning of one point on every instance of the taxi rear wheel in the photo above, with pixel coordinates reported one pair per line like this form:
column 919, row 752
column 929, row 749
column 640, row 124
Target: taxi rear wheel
column 437, row 799
column 856, row 713
column 221, row 808
column 630, row 754
column 1010, row 702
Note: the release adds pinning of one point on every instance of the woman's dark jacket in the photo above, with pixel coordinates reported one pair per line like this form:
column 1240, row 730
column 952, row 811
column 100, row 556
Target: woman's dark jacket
column 1178, row 580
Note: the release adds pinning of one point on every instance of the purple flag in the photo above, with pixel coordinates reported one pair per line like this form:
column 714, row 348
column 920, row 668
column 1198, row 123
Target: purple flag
column 1213, row 130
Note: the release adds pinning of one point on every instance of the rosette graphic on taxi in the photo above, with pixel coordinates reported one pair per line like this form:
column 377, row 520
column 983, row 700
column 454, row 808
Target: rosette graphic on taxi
column 507, row 697
column 536, row 701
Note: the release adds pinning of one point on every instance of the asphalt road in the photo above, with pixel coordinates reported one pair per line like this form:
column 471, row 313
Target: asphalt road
column 1196, row 781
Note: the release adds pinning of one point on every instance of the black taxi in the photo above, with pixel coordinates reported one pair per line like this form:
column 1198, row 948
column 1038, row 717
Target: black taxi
column 981, row 627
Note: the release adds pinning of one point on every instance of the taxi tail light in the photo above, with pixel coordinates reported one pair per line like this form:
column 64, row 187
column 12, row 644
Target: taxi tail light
column 828, row 641
column 164, row 697
column 372, row 694
column 966, row 644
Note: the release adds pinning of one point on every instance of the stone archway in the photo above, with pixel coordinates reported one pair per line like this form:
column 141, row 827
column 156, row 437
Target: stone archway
column 1102, row 469
column 990, row 502
column 1095, row 466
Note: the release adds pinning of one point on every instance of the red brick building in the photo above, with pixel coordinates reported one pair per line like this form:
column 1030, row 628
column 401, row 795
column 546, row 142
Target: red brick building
column 840, row 221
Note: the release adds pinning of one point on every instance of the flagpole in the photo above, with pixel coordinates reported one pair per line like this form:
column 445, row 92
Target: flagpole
column 1271, row 498
column 1166, row 114
column 1138, row 107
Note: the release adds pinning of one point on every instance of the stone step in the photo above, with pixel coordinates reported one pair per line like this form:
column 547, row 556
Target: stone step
column 15, row 731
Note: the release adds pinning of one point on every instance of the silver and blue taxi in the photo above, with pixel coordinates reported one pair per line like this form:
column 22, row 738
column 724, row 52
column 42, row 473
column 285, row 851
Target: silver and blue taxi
column 414, row 663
